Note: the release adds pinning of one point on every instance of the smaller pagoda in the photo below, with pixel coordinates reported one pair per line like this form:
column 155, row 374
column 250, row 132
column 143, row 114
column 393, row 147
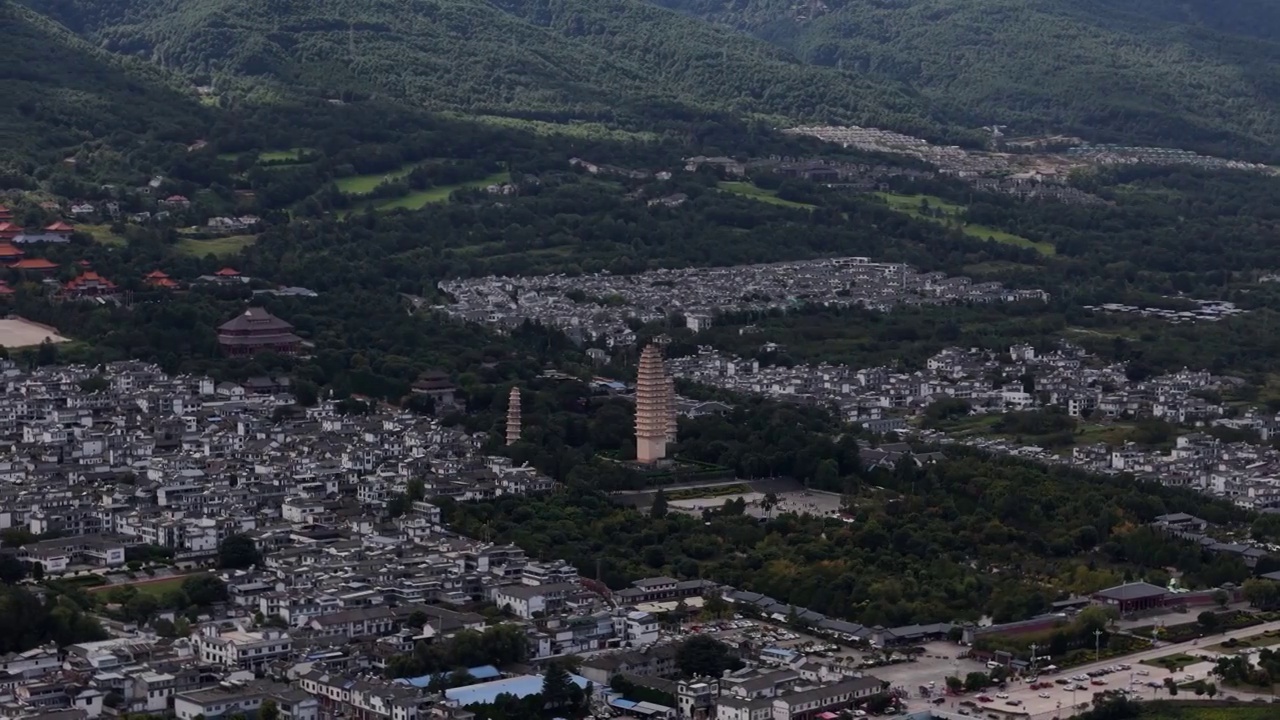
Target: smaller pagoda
column 513, row 416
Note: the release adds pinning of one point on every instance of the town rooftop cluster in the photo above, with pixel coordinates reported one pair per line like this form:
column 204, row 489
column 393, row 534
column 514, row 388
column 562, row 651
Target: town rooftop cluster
column 105, row 460
column 182, row 461
column 883, row 398
column 598, row 306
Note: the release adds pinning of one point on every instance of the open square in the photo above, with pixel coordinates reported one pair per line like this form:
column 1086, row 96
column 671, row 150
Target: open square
column 16, row 332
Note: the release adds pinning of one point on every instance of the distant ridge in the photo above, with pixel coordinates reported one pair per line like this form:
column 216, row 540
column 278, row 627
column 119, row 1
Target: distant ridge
column 546, row 59
column 1194, row 73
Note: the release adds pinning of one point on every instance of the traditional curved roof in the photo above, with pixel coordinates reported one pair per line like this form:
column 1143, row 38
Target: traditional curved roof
column 35, row 264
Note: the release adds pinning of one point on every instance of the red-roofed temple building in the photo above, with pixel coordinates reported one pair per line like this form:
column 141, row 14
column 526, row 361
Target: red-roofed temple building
column 256, row 330
column 9, row 253
column 39, row 265
column 59, row 232
column 158, row 279
column 88, row 285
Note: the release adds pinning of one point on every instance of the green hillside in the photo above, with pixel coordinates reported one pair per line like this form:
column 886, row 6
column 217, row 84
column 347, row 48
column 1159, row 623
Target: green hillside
column 61, row 92
column 550, row 59
column 1197, row 72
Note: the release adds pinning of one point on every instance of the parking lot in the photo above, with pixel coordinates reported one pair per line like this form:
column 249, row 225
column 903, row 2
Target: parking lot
column 765, row 634
column 939, row 660
column 1049, row 696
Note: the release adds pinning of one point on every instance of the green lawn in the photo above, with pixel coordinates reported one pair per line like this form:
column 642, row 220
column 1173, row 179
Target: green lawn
column 103, row 234
column 748, row 190
column 1089, row 332
column 285, row 156
column 1266, row 639
column 910, row 204
column 1195, row 711
column 219, row 247
column 1114, row 434
column 364, row 184
column 1270, row 389
column 972, row 424
column 290, row 155
column 495, row 251
column 589, row 130
column 145, row 586
column 1085, row 434
column 1170, row 662
column 992, row 267
column 421, row 198
column 709, row 492
column 935, row 209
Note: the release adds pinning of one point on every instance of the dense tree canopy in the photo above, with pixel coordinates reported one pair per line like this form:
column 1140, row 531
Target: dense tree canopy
column 237, row 551
column 27, row 621
column 1111, row 70
column 498, row 645
column 958, row 539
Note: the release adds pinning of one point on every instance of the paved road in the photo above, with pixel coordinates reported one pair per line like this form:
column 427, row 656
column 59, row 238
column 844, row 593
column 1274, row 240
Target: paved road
column 1062, row 701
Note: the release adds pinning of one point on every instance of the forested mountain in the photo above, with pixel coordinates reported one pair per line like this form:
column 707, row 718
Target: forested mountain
column 60, row 91
column 1194, row 72
column 540, row 58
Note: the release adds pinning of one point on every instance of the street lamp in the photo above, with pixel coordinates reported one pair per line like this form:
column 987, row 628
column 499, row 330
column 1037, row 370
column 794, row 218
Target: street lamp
column 1097, row 645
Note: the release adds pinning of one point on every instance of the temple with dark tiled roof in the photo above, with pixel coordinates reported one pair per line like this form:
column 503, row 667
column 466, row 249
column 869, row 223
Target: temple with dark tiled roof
column 256, row 330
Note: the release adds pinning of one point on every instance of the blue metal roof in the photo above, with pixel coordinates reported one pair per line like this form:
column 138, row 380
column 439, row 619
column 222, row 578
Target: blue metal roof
column 520, row 686
column 480, row 673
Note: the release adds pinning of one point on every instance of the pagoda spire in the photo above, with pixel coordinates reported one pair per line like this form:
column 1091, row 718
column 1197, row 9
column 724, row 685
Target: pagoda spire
column 671, row 409
column 653, row 407
column 513, row 416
